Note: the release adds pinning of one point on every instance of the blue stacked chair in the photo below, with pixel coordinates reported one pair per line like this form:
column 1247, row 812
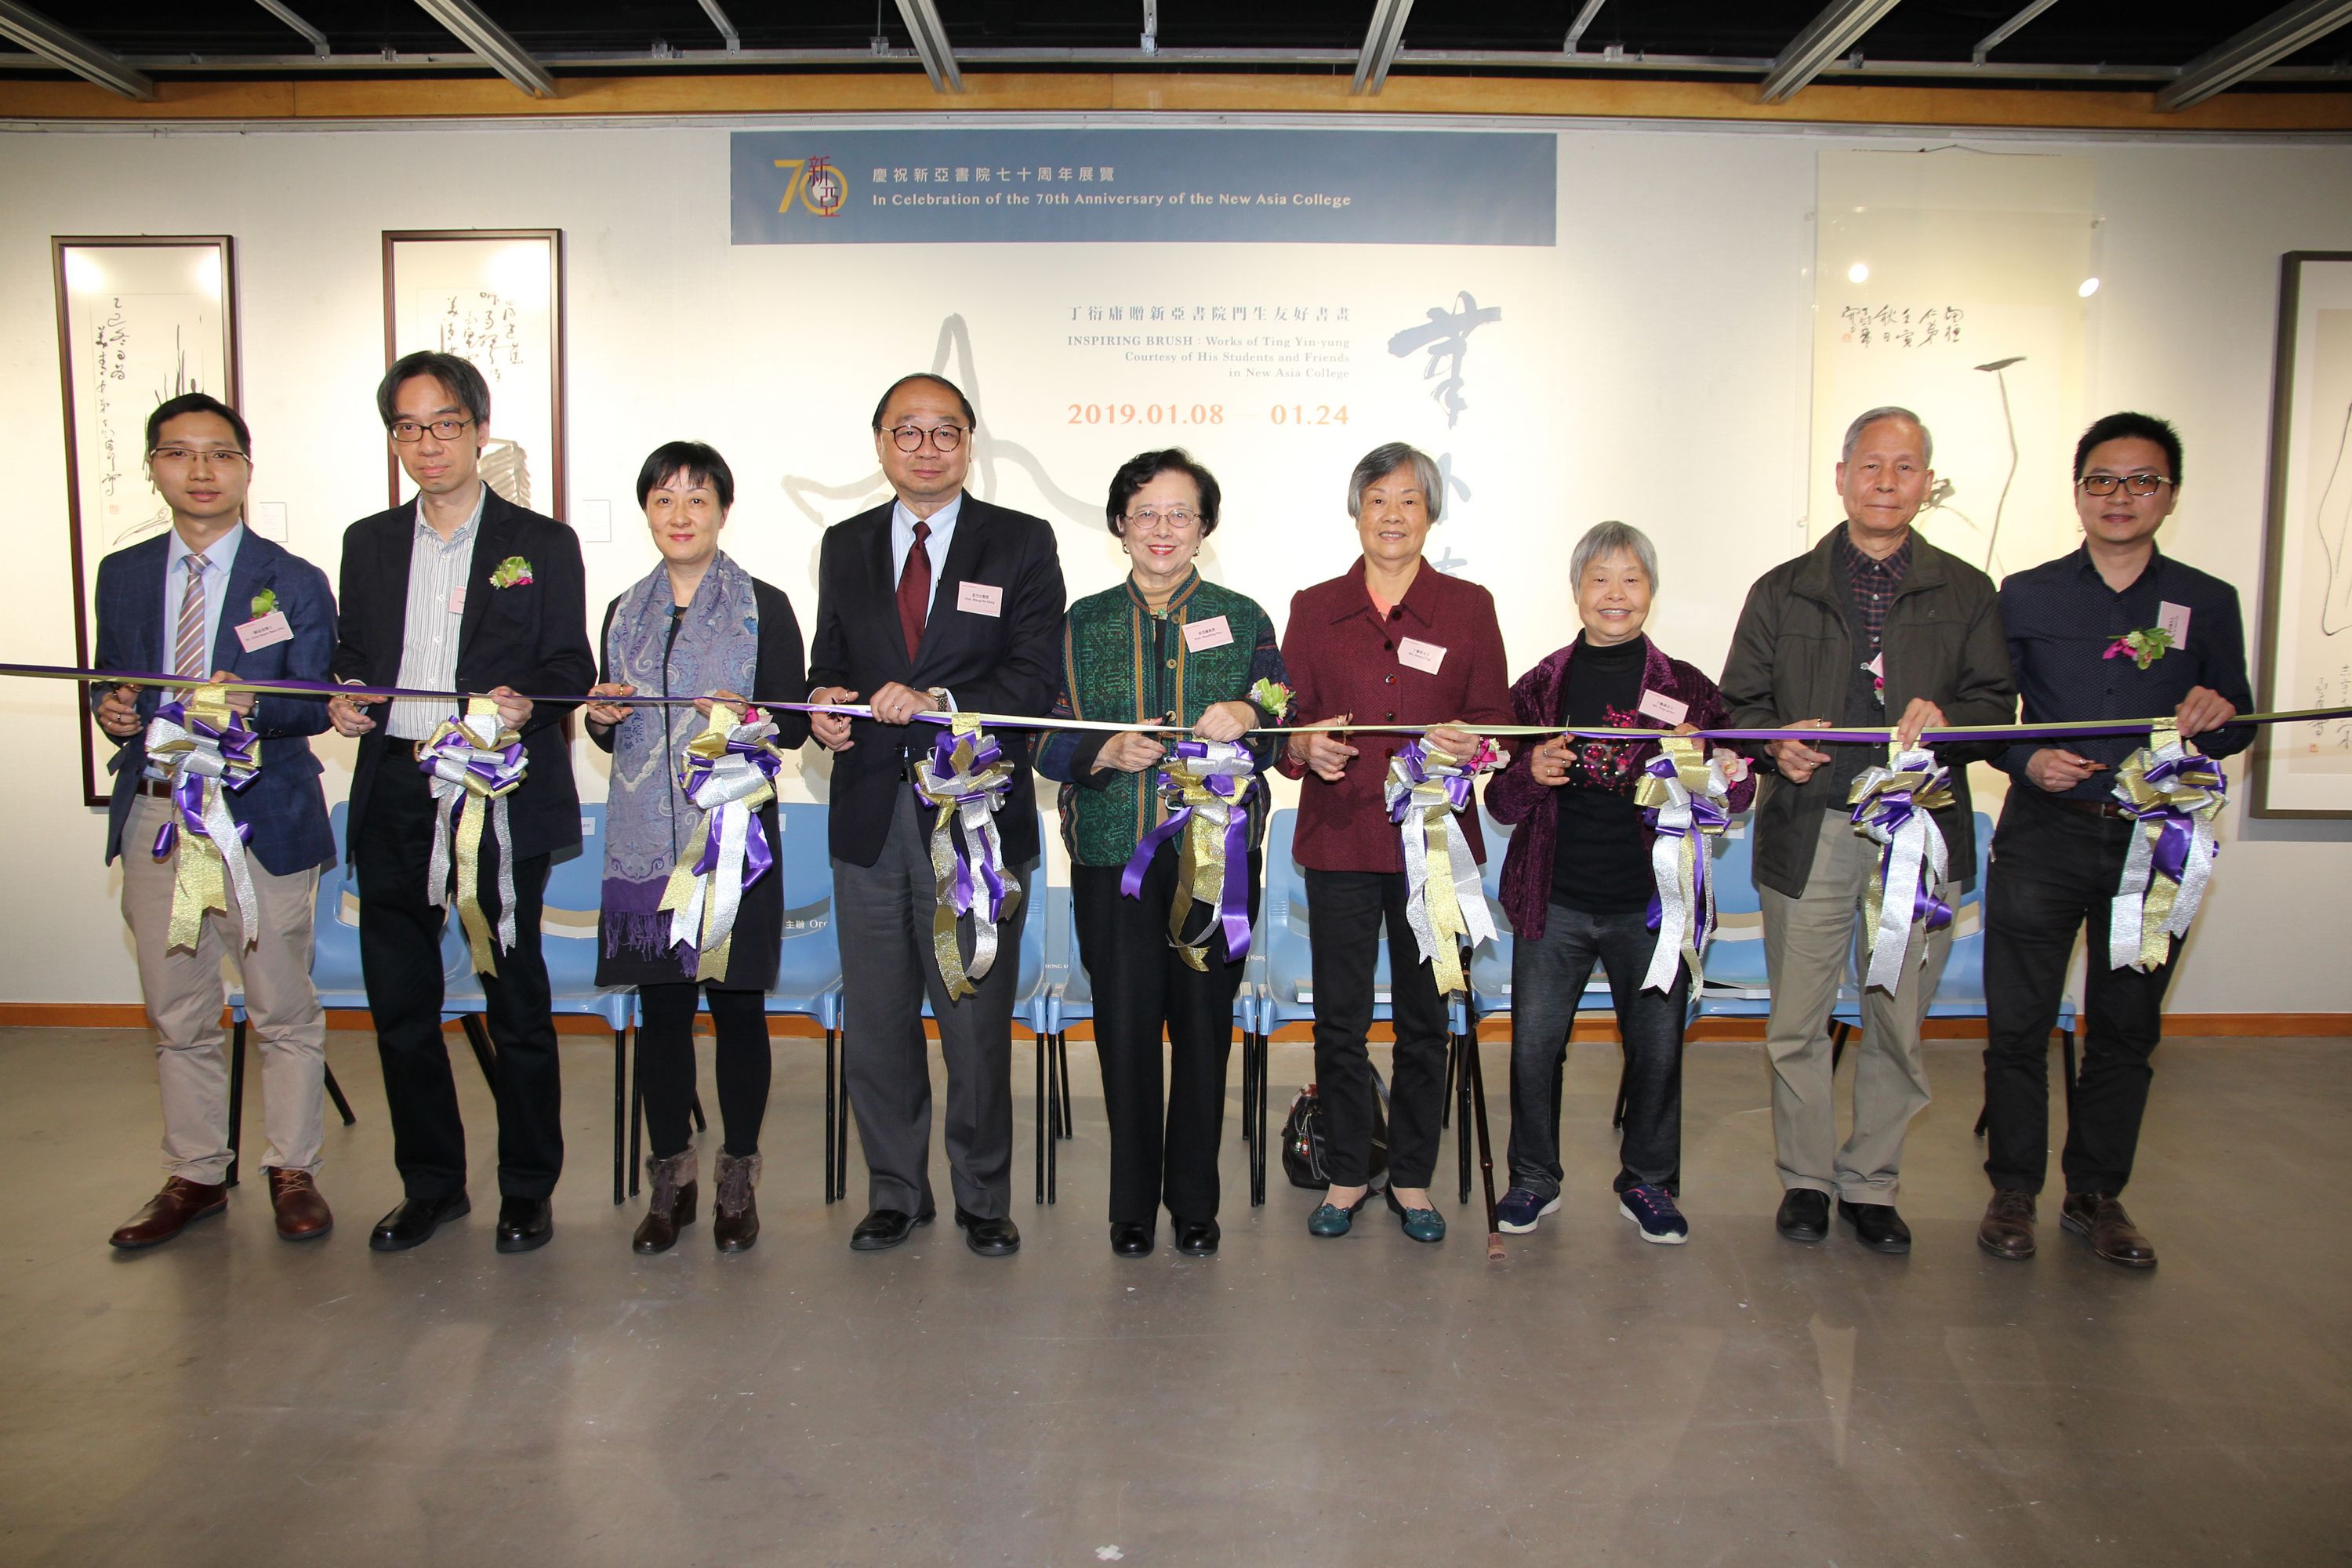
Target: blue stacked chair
column 808, row 971
column 1738, row 984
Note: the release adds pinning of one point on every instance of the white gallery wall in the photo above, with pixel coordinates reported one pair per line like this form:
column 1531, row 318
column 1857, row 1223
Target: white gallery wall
column 1658, row 367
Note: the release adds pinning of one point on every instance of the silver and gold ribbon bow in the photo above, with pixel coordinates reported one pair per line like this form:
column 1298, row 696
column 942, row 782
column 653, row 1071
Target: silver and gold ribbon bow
column 1682, row 796
column 2174, row 792
column 1892, row 807
column 1206, row 786
column 1444, row 904
column 729, row 773
column 964, row 781
column 475, row 761
column 205, row 750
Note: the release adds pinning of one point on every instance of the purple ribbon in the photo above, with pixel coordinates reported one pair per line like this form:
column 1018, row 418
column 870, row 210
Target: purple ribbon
column 1233, row 904
column 1891, row 810
column 1413, row 757
column 986, row 753
column 758, row 855
column 235, row 745
column 1707, row 818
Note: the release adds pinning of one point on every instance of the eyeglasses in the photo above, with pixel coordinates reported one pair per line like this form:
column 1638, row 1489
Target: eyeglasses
column 408, row 432
column 1176, row 517
column 910, row 437
column 190, row 454
column 2105, row 484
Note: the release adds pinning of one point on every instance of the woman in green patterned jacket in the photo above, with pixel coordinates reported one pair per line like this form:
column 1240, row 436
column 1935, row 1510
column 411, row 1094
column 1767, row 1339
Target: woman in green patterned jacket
column 1167, row 646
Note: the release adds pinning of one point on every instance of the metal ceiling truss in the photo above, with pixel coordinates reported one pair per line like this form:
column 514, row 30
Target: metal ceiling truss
column 2007, row 29
column 493, row 43
column 1837, row 29
column 930, row 35
column 319, row 47
column 56, row 46
column 1383, row 39
column 2274, row 37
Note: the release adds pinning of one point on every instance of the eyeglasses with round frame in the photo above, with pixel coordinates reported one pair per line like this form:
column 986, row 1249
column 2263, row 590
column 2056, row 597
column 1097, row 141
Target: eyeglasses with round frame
column 175, row 454
column 1176, row 517
column 408, row 432
column 2105, row 484
column 910, row 437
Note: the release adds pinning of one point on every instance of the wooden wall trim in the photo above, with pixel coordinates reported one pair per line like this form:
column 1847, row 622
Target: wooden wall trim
column 327, row 98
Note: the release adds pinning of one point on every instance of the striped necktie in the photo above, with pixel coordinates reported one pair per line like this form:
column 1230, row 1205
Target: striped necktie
column 188, row 650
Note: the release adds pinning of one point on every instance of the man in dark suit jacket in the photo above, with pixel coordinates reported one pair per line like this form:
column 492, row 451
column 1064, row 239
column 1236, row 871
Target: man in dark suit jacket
column 212, row 600
column 457, row 590
column 936, row 597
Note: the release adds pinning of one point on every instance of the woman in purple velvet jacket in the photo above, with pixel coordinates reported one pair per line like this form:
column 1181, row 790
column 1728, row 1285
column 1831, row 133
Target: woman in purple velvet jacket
column 1577, row 883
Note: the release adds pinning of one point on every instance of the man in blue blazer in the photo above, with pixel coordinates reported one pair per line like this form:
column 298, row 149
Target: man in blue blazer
column 212, row 601
column 457, row 590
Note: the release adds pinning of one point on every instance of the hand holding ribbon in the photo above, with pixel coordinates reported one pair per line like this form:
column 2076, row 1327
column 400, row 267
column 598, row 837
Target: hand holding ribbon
column 1892, row 806
column 964, row 780
column 729, row 773
column 1206, row 787
column 475, row 761
column 1444, row 904
column 2174, row 792
column 1682, row 798
column 205, row 750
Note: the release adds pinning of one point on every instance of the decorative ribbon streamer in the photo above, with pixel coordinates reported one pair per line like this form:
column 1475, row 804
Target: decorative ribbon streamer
column 1444, row 903
column 474, row 762
column 1206, row 787
column 965, row 780
column 1682, row 796
column 2174, row 792
column 1892, row 804
column 730, row 771
column 205, row 750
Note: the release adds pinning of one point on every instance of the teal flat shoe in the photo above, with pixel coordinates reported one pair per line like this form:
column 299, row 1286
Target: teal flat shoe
column 1421, row 1224
column 1330, row 1219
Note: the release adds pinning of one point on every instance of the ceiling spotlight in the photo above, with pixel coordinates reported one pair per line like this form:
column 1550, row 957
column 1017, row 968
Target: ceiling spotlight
column 1858, row 273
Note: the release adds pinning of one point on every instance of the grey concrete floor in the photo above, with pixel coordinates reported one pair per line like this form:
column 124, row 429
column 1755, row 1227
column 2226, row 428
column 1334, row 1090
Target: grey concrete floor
column 229, row 1397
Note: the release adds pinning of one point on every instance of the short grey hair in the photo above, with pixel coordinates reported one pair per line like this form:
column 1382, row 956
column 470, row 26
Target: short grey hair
column 1387, row 458
column 1891, row 411
column 1603, row 540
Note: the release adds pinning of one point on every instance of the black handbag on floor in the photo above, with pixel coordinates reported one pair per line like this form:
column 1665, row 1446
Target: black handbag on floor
column 1302, row 1138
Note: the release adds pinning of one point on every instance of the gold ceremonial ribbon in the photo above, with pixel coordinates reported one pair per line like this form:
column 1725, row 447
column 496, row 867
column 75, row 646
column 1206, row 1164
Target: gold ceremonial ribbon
column 1681, row 909
column 1445, row 922
column 718, row 905
column 2160, row 896
column 1891, row 779
column 199, row 879
column 476, row 801
column 945, row 949
column 1200, row 868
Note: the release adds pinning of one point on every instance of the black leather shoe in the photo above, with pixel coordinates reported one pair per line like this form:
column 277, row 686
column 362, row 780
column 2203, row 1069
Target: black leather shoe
column 883, row 1229
column 2100, row 1219
column 1128, row 1239
column 1804, row 1215
column 988, row 1238
column 414, row 1220
column 525, row 1224
column 1197, row 1237
column 1877, row 1225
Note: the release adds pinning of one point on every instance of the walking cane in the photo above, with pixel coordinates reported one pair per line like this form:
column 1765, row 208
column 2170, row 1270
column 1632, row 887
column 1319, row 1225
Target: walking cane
column 1478, row 1077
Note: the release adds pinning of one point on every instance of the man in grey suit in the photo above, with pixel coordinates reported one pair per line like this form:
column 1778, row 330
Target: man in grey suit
column 936, row 597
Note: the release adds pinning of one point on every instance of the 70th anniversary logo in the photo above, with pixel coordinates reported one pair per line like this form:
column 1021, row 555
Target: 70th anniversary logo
column 816, row 184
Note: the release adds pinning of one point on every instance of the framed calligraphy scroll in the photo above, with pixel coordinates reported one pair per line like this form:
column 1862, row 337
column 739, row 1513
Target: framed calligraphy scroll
column 2305, row 770
column 493, row 296
column 141, row 318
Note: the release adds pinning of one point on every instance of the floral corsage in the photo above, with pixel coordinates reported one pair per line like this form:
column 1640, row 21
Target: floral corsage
column 1272, row 698
column 264, row 603
column 514, row 571
column 2143, row 648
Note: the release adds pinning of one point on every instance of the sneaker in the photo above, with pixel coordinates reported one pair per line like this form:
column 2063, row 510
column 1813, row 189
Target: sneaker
column 1520, row 1208
column 1652, row 1208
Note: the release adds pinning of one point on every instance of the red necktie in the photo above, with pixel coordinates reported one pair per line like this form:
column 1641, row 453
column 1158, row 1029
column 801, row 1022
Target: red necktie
column 915, row 591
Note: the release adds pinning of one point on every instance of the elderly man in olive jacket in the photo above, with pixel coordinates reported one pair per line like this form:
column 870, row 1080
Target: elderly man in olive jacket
column 1873, row 626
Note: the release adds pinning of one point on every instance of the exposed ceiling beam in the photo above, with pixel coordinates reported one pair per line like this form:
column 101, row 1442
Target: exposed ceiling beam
column 493, row 43
column 318, row 40
column 61, row 46
column 2273, row 38
column 734, row 40
column 1150, row 26
column 1381, row 41
column 930, row 35
column 2002, row 34
column 1840, row 23
column 1576, row 29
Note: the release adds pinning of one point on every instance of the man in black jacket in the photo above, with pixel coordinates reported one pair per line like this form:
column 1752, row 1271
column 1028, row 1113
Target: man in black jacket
column 935, row 598
column 457, row 590
column 1872, row 628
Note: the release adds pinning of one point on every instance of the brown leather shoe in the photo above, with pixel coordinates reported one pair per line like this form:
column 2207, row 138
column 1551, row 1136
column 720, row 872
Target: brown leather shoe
column 2006, row 1228
column 167, row 1213
column 2111, row 1232
column 302, row 1213
column 669, row 1208
column 735, row 1218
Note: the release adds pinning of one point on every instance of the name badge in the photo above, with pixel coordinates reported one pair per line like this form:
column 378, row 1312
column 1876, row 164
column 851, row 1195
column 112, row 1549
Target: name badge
column 458, row 600
column 264, row 630
column 1425, row 656
column 2174, row 618
column 979, row 599
column 1202, row 636
column 1662, row 708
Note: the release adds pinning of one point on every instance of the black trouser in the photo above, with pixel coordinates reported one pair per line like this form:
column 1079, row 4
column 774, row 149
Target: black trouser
column 665, row 1064
column 1141, row 984
column 1346, row 909
column 400, row 961
column 1548, row 978
column 2054, row 870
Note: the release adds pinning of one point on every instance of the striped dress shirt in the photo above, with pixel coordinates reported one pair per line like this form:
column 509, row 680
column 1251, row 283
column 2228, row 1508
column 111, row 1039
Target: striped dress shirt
column 438, row 571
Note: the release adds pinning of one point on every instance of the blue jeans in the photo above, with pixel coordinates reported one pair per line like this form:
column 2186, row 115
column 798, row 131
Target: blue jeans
column 1548, row 978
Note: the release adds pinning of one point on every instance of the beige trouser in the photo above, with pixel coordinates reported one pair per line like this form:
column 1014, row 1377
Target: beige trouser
column 184, row 997
column 1806, row 944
